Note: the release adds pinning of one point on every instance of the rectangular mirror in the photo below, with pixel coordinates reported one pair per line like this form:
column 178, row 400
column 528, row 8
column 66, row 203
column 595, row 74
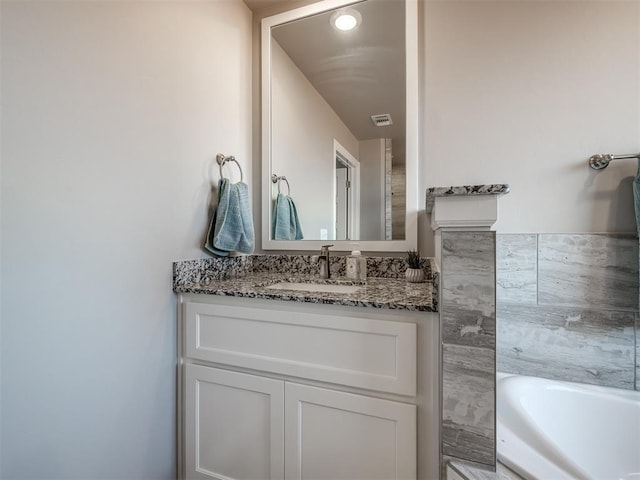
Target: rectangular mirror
column 339, row 127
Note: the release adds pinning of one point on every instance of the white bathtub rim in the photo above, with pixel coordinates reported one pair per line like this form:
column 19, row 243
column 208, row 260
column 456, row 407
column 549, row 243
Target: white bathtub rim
column 540, row 443
column 516, row 453
column 539, row 450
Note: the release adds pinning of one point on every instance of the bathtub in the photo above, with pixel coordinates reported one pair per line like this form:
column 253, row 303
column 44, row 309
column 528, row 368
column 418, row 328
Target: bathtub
column 552, row 430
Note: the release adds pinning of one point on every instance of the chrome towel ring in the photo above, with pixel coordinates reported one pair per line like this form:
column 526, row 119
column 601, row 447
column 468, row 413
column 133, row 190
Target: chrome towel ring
column 277, row 179
column 222, row 159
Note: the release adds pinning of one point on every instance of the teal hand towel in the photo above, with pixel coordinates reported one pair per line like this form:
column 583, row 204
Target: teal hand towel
column 636, row 198
column 286, row 225
column 223, row 189
column 231, row 228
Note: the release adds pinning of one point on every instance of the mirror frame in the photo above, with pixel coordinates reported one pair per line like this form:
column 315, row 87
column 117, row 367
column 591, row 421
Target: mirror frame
column 411, row 101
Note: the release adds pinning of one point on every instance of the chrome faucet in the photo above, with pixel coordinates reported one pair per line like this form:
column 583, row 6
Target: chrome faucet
column 323, row 260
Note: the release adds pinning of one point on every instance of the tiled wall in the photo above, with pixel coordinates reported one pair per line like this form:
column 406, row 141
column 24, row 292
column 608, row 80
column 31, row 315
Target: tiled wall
column 468, row 329
column 567, row 307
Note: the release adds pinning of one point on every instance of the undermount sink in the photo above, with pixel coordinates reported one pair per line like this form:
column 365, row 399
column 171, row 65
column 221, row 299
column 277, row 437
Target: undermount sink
column 315, row 287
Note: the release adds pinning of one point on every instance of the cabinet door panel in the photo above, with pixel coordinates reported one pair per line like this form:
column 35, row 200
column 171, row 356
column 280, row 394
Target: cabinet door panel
column 335, row 435
column 234, row 425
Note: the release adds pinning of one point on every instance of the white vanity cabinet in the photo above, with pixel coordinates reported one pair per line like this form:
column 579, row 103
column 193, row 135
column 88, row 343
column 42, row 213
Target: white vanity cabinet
column 234, row 424
column 285, row 390
column 336, row 435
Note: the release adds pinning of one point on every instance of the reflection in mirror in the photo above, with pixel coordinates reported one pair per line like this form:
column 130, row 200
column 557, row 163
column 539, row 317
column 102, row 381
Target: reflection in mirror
column 335, row 123
column 347, row 206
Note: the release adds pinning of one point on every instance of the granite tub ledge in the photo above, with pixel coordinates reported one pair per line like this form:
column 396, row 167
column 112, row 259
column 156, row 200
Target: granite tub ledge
column 249, row 275
column 463, row 190
column 468, row 471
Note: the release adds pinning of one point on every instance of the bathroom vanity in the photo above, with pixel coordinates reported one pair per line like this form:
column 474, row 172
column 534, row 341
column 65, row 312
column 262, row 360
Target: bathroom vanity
column 277, row 383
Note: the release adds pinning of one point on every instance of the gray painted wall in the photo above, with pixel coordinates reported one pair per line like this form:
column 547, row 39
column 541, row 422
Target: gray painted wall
column 112, row 114
column 507, row 97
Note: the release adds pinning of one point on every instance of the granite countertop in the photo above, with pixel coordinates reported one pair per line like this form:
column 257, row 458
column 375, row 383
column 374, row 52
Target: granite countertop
column 464, row 190
column 250, row 277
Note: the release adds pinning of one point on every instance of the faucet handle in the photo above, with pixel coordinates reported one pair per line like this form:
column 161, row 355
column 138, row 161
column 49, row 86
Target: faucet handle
column 325, row 271
column 325, row 248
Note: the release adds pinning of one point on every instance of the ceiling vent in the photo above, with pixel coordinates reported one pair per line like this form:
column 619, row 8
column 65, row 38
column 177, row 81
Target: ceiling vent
column 381, row 120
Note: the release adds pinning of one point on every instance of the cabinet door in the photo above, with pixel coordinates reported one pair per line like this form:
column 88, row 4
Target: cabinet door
column 233, row 425
column 335, row 435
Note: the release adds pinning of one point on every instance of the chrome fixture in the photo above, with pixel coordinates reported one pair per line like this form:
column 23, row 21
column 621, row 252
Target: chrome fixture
column 222, row 159
column 323, row 260
column 278, row 178
column 601, row 160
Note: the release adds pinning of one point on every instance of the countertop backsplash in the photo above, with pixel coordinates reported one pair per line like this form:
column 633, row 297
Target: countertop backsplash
column 206, row 269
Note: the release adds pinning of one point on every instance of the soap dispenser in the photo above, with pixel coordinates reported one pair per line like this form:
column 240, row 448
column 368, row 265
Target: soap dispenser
column 356, row 266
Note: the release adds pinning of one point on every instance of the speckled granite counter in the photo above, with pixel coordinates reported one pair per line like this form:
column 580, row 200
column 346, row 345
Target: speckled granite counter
column 463, row 190
column 249, row 276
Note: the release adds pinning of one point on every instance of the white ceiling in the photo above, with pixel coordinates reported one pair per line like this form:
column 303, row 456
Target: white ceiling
column 255, row 5
column 271, row 7
column 359, row 73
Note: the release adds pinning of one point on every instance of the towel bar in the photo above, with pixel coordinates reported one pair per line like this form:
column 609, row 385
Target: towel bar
column 276, row 179
column 222, row 159
column 600, row 160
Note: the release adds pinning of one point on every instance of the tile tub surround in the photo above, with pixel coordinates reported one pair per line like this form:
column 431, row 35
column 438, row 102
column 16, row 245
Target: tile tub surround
column 517, row 269
column 468, row 289
column 468, row 331
column 637, row 335
column 567, row 343
column 463, row 190
column 249, row 275
column 597, row 270
column 581, row 322
column 462, row 218
column 468, row 403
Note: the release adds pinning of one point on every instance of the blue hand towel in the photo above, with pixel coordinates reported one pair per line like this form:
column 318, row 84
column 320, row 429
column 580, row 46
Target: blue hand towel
column 231, row 228
column 286, row 225
column 223, row 185
column 636, row 198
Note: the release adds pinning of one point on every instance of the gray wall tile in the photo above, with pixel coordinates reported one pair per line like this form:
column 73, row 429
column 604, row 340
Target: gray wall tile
column 517, row 268
column 468, row 311
column 588, row 270
column 468, row 403
column 468, row 252
column 637, row 332
column 468, row 288
column 567, row 343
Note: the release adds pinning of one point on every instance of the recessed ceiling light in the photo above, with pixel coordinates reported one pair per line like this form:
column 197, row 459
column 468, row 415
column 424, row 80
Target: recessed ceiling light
column 346, row 19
